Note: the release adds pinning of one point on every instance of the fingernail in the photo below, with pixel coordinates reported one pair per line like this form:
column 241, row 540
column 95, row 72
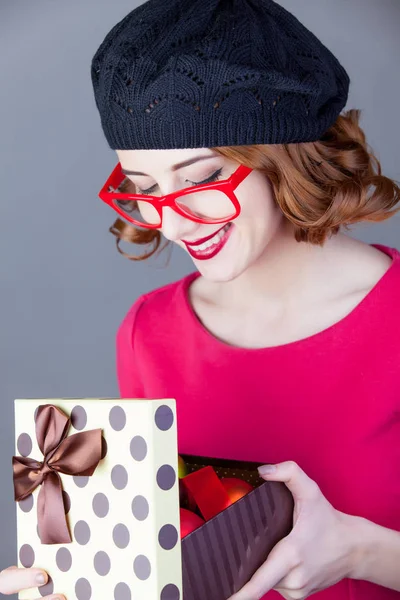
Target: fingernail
column 40, row 578
column 267, row 469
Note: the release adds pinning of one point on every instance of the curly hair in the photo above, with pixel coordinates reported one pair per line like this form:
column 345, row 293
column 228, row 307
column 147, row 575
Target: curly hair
column 319, row 186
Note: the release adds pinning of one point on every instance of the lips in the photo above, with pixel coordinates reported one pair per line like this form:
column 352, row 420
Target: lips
column 202, row 240
column 211, row 245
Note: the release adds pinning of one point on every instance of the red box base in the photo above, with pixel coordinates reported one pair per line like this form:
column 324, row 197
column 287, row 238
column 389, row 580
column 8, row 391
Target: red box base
column 219, row 557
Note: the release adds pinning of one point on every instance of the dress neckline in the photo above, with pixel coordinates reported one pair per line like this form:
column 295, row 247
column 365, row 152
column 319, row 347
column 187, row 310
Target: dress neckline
column 320, row 336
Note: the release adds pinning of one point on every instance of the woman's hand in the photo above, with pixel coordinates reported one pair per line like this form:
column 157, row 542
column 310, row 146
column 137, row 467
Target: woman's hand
column 319, row 551
column 14, row 580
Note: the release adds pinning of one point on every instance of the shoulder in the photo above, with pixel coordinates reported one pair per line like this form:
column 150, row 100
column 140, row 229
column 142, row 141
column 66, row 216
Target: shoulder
column 373, row 276
column 155, row 306
column 387, row 267
column 363, row 269
column 378, row 312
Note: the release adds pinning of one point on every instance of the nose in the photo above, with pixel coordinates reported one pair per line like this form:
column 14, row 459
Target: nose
column 176, row 227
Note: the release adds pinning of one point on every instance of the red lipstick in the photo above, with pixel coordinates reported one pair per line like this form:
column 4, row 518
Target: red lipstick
column 211, row 245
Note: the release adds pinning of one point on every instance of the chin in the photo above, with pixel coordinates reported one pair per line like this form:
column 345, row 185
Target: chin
column 219, row 273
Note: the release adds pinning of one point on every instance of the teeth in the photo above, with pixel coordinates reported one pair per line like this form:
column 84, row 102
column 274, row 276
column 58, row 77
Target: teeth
column 213, row 241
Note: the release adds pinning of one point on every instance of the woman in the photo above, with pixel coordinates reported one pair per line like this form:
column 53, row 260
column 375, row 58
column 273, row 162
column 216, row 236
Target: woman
column 283, row 347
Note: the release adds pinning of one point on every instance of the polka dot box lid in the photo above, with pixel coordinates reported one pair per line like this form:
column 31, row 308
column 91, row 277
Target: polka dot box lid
column 124, row 519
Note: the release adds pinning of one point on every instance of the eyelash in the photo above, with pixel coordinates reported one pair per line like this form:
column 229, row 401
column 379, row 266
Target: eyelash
column 214, row 177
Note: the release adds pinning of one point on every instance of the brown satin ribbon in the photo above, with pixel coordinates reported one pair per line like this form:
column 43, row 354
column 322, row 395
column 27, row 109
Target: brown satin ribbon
column 78, row 454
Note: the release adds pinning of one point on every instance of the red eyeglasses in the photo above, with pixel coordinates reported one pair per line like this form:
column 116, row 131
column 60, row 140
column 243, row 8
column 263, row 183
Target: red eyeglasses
column 209, row 203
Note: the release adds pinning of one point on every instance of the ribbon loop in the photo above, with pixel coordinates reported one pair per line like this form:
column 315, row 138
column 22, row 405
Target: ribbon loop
column 78, row 454
column 51, row 427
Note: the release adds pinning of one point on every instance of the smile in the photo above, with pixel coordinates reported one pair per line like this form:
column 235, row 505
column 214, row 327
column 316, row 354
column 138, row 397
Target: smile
column 209, row 247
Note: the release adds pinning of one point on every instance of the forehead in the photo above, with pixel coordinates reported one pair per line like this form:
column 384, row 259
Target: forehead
column 147, row 161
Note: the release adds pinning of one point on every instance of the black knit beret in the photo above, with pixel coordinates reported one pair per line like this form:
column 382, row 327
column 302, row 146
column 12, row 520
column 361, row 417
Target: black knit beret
column 208, row 73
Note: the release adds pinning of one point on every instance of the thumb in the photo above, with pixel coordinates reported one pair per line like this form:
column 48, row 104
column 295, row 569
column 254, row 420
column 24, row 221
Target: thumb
column 301, row 486
column 14, row 579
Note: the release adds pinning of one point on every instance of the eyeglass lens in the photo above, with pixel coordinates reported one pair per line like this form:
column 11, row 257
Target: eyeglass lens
column 207, row 204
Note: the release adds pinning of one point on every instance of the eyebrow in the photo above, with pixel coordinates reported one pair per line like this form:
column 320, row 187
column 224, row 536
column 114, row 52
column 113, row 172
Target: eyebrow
column 186, row 163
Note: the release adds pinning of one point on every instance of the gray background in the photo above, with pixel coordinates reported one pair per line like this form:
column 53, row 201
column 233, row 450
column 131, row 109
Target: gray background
column 64, row 287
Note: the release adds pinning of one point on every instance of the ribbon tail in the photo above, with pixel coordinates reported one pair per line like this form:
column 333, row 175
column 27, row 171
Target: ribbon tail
column 52, row 522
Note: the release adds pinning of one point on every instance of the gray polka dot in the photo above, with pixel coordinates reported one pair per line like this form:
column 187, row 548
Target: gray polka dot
column 81, row 480
column 170, row 592
column 168, row 537
column 26, row 555
column 104, row 448
column 100, row 505
column 142, row 567
column 119, row 477
column 78, row 417
column 122, row 592
column 67, row 502
column 140, row 508
column 102, row 563
column 82, row 532
column 24, row 444
column 117, row 418
column 48, row 588
column 164, row 417
column 138, row 448
column 26, row 505
column 121, row 535
column 64, row 559
column 166, row 477
column 83, row 590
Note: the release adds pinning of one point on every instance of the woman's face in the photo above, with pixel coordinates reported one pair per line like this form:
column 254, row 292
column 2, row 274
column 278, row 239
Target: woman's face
column 230, row 249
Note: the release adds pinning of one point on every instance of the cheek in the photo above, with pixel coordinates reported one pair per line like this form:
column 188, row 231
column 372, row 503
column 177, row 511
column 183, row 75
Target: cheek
column 258, row 202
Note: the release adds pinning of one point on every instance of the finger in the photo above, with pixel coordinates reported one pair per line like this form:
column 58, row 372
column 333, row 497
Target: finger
column 298, row 482
column 277, row 566
column 13, row 579
column 284, row 594
column 58, row 597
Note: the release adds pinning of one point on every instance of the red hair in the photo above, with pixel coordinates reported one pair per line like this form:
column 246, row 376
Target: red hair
column 319, row 186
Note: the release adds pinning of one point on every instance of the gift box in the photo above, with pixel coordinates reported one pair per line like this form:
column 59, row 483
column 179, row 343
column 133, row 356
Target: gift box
column 97, row 490
column 219, row 557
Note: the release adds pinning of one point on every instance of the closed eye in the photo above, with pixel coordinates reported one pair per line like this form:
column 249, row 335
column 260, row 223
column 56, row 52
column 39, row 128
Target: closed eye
column 214, row 177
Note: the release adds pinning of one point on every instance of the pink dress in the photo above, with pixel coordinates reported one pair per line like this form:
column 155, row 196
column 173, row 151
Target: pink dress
column 330, row 402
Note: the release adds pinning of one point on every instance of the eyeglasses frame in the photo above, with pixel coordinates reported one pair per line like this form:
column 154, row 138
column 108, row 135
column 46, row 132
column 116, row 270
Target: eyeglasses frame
column 227, row 186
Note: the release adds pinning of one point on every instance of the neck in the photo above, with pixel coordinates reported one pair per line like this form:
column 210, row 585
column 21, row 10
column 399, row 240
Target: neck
column 289, row 273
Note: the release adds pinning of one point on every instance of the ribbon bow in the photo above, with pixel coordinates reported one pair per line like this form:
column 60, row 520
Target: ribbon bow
column 78, row 454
